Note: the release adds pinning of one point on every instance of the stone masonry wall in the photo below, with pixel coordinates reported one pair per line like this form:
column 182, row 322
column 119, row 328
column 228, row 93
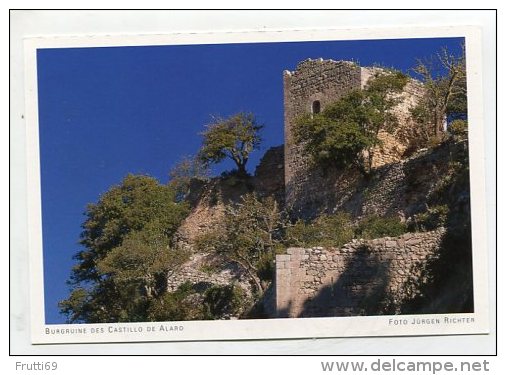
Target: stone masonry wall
column 326, row 81
column 364, row 277
column 269, row 180
column 395, row 143
column 313, row 80
column 397, row 189
column 205, row 270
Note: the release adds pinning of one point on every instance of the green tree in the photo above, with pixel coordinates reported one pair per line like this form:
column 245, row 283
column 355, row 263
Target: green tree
column 225, row 300
column 144, row 260
column 234, row 137
column 183, row 304
column 444, row 79
column 126, row 252
column 250, row 235
column 346, row 132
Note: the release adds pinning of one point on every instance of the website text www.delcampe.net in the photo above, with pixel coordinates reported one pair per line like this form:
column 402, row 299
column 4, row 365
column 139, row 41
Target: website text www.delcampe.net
column 396, row 365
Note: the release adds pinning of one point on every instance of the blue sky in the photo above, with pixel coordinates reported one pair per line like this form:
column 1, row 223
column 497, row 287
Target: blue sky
column 107, row 112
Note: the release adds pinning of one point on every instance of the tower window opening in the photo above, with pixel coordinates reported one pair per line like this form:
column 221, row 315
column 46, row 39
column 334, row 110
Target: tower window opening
column 316, row 107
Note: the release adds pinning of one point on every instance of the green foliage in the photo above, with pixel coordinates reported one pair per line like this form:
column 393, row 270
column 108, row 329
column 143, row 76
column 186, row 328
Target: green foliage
column 224, row 300
column 186, row 303
column 124, row 208
column 446, row 285
column 376, row 227
column 335, row 137
column 346, row 132
column 250, row 231
column 337, row 229
column 143, row 258
column 75, row 307
column 431, row 219
column 266, row 266
column 179, row 305
column 326, row 230
column 234, row 137
column 459, row 128
column 455, row 179
column 208, row 268
column 127, row 254
column 234, row 179
column 181, row 175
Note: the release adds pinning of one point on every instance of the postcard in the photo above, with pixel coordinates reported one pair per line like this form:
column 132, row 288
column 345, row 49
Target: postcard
column 256, row 185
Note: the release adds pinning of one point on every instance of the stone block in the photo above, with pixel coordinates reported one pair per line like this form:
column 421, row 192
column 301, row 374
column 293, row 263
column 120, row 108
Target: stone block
column 413, row 241
column 283, row 272
column 296, row 251
column 283, row 258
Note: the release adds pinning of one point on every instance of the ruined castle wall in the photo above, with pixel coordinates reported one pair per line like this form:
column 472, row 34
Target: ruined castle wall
column 395, row 143
column 269, row 179
column 403, row 189
column 319, row 80
column 364, row 277
column 399, row 189
column 204, row 270
column 309, row 189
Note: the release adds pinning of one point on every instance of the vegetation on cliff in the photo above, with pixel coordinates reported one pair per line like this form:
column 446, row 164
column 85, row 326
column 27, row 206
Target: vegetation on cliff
column 447, row 282
column 129, row 241
column 346, row 132
column 445, row 97
column 128, row 252
column 250, row 235
column 234, row 138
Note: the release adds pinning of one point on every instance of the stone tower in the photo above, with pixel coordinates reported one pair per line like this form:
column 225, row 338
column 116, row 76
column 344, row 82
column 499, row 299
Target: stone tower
column 313, row 85
column 309, row 89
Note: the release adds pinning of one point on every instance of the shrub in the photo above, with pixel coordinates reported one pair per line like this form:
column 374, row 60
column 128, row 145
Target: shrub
column 327, row 230
column 434, row 141
column 459, row 128
column 208, row 269
column 177, row 305
column 266, row 267
column 376, row 227
column 345, row 133
column 249, row 235
column 232, row 178
column 301, row 234
column 224, row 301
column 431, row 219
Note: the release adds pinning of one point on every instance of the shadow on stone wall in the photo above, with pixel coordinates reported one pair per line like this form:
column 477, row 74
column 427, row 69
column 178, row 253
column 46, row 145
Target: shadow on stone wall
column 446, row 284
column 394, row 189
column 360, row 290
column 447, row 278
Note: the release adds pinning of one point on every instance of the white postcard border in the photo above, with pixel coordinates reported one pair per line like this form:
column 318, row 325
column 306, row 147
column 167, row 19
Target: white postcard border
column 474, row 323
